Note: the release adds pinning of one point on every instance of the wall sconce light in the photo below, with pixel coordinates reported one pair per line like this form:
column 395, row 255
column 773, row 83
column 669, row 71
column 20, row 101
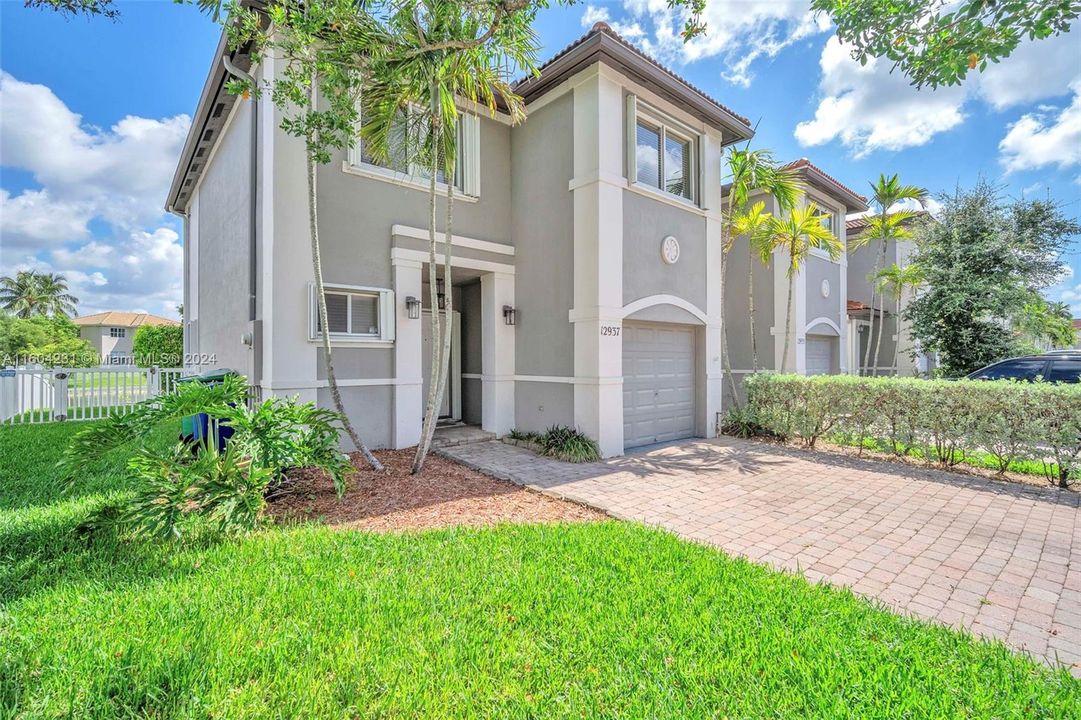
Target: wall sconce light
column 440, row 296
column 510, row 315
column 412, row 308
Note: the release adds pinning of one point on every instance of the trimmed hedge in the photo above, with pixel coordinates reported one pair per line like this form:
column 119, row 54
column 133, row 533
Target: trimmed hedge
column 161, row 345
column 939, row 420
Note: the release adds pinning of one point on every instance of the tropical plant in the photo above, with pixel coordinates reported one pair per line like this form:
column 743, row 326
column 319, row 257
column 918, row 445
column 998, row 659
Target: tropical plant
column 984, row 258
column 750, row 171
column 435, row 53
column 197, row 482
column 568, row 444
column 796, row 233
column 161, row 345
column 21, row 338
column 1045, row 323
column 323, row 46
column 31, row 293
column 933, row 47
column 893, row 282
column 888, row 224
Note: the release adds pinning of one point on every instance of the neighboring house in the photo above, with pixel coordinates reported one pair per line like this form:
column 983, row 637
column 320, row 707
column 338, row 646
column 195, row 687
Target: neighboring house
column 110, row 333
column 819, row 327
column 861, row 267
column 586, row 271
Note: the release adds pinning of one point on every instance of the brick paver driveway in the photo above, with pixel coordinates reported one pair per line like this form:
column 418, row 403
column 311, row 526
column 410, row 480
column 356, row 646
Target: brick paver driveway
column 1003, row 560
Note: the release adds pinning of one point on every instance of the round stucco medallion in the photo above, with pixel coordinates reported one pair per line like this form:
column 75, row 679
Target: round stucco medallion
column 670, row 250
column 825, row 288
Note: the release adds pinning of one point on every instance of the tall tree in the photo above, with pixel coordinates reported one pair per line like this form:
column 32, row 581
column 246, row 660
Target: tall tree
column 752, row 171
column 796, row 233
column 938, row 42
column 31, row 293
column 983, row 258
column 437, row 53
column 888, row 224
column 893, row 282
column 324, row 46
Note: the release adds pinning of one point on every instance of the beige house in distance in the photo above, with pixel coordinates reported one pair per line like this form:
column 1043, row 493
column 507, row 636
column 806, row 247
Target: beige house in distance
column 111, row 333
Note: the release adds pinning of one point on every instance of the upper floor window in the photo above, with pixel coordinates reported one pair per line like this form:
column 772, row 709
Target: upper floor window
column 662, row 154
column 402, row 164
column 829, row 221
column 117, row 332
column 354, row 313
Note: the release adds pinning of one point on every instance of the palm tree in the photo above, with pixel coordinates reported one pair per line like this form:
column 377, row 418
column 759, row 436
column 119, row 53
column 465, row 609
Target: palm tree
column 750, row 171
column 439, row 51
column 797, row 233
column 1050, row 323
column 31, row 293
column 892, row 282
column 885, row 226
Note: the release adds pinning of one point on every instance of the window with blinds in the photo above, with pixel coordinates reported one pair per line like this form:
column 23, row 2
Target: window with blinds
column 353, row 313
column 662, row 156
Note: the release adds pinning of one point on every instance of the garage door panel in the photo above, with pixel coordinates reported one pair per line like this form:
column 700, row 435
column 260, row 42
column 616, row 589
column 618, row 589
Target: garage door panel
column 819, row 351
column 658, row 383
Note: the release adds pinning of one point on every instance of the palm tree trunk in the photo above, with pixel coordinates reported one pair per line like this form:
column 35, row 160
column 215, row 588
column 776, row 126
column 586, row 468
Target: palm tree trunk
column 750, row 307
column 881, row 330
column 725, row 360
column 871, row 327
column 447, row 324
column 317, row 267
column 787, row 323
column 431, row 407
column 897, row 342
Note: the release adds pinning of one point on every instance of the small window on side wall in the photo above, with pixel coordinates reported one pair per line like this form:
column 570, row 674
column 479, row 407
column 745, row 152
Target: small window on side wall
column 354, row 313
column 661, row 154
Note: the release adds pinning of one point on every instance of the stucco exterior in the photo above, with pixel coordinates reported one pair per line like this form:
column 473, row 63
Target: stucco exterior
column 557, row 228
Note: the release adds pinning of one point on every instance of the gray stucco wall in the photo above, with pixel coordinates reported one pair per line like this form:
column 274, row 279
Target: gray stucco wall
column 543, row 232
column 370, row 410
column 357, row 213
column 646, row 222
column 223, row 237
column 817, row 270
column 737, row 307
column 538, row 405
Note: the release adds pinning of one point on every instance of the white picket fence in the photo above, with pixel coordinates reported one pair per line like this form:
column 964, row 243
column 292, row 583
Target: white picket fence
column 49, row 395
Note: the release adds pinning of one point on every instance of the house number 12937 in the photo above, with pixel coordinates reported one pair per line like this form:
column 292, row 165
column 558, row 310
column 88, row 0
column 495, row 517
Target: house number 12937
column 610, row 330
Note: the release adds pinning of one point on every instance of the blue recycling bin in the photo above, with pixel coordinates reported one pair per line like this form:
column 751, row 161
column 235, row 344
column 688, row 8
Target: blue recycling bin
column 201, row 428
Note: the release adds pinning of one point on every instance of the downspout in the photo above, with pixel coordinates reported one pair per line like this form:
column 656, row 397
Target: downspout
column 253, row 182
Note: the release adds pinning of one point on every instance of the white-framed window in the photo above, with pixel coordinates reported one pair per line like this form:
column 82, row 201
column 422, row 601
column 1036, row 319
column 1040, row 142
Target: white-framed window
column 354, row 313
column 117, row 332
column 662, row 153
column 466, row 171
column 829, row 220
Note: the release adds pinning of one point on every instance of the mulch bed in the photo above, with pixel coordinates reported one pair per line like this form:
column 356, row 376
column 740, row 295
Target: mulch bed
column 445, row 494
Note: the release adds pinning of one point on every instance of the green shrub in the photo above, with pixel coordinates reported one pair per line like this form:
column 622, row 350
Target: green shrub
column 188, row 485
column 161, row 345
column 939, row 420
column 561, row 442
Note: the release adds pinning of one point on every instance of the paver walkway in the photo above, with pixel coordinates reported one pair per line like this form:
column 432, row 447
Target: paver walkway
column 1003, row 560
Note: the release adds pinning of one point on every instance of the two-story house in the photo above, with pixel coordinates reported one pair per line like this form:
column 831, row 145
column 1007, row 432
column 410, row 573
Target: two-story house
column 586, row 256
column 111, row 333
column 819, row 327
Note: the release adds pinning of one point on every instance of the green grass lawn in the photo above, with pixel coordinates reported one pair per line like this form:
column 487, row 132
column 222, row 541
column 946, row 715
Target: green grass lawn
column 604, row 620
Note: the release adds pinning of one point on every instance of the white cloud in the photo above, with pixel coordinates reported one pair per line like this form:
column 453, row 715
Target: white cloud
column 120, row 175
column 869, row 108
column 1072, row 297
column 1034, row 71
column 1044, row 137
column 141, row 272
column 98, row 215
column 740, row 33
column 33, row 218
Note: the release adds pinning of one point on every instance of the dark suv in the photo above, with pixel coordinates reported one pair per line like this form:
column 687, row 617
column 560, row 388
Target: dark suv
column 1061, row 366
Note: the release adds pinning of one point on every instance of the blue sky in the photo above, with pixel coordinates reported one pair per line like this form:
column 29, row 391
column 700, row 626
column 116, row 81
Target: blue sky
column 93, row 114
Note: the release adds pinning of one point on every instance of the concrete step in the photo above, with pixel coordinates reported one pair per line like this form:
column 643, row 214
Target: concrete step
column 453, row 435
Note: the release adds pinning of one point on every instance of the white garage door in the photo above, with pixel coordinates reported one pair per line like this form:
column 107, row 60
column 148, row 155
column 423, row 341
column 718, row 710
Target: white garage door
column 658, row 383
column 820, row 354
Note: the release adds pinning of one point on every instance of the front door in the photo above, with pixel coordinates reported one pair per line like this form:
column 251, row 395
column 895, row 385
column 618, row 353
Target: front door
column 450, row 407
